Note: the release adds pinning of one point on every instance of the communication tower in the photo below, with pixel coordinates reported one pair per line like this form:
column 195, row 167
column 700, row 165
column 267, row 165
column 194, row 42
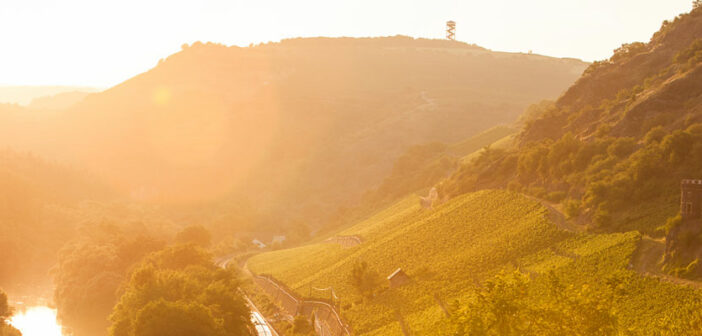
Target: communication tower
column 451, row 30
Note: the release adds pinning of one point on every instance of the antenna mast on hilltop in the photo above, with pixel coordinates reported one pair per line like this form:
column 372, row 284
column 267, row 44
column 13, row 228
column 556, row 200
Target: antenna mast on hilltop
column 451, row 30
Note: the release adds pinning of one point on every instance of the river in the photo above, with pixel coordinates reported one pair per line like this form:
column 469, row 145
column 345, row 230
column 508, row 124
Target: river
column 36, row 321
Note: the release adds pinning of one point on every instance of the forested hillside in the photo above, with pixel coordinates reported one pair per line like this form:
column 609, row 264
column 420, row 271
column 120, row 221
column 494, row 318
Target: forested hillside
column 280, row 123
column 614, row 148
column 39, row 207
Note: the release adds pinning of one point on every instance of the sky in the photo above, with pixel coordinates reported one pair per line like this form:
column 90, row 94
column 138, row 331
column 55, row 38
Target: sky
column 102, row 43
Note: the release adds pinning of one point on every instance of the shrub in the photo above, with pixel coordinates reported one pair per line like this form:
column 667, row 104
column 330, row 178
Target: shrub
column 655, row 135
column 622, row 147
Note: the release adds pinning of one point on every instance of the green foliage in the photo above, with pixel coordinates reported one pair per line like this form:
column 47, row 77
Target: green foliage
column 175, row 318
column 194, row 234
column 91, row 269
column 691, row 56
column 655, row 135
column 613, row 177
column 622, row 147
column 672, row 223
column 180, row 291
column 628, row 50
column 40, row 209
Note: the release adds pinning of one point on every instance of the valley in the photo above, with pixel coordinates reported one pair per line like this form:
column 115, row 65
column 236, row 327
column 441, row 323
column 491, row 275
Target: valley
column 352, row 185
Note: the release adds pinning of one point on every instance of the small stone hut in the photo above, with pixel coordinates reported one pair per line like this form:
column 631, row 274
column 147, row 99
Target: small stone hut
column 398, row 278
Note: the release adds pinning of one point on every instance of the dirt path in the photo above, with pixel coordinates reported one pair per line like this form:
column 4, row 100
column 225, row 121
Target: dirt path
column 555, row 214
column 646, row 261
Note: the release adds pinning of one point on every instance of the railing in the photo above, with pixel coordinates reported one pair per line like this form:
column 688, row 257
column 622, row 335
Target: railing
column 329, row 324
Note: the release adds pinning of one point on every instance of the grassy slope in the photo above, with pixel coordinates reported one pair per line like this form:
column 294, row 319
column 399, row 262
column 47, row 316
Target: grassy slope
column 449, row 250
column 477, row 142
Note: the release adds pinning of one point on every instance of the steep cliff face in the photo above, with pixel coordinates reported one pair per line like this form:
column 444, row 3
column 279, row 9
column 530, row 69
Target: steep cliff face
column 641, row 86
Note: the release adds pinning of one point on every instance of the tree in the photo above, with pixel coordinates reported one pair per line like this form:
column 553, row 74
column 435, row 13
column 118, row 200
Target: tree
column 180, row 291
column 6, row 313
column 194, row 234
column 162, row 317
column 365, row 280
column 99, row 262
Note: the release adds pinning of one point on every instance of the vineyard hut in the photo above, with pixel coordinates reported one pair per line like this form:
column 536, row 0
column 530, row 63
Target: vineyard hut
column 258, row 243
column 398, row 278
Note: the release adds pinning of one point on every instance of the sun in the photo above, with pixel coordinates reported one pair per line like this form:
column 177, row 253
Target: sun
column 37, row 321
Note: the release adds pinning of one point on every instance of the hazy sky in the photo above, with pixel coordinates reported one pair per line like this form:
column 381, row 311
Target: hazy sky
column 101, row 43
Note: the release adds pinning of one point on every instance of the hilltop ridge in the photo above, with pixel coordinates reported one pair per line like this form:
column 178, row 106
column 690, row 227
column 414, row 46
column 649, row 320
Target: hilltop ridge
column 301, row 127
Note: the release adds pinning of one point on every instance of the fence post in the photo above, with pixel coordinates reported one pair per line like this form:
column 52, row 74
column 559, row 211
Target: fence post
column 403, row 325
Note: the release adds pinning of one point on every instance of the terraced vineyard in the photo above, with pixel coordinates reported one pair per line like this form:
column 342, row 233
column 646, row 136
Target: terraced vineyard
column 446, row 251
column 450, row 250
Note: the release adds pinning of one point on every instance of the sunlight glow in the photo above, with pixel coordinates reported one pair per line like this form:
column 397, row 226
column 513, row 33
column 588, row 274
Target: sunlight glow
column 161, row 96
column 90, row 44
column 37, row 321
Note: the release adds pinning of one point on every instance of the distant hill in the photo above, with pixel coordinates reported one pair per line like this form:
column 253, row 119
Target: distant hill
column 59, row 101
column 24, row 95
column 300, row 127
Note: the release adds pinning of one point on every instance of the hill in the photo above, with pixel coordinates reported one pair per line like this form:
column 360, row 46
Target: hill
column 450, row 251
column 300, row 127
column 23, row 95
column 616, row 145
column 59, row 101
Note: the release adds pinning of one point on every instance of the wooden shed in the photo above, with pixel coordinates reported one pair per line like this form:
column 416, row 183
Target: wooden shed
column 398, row 278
